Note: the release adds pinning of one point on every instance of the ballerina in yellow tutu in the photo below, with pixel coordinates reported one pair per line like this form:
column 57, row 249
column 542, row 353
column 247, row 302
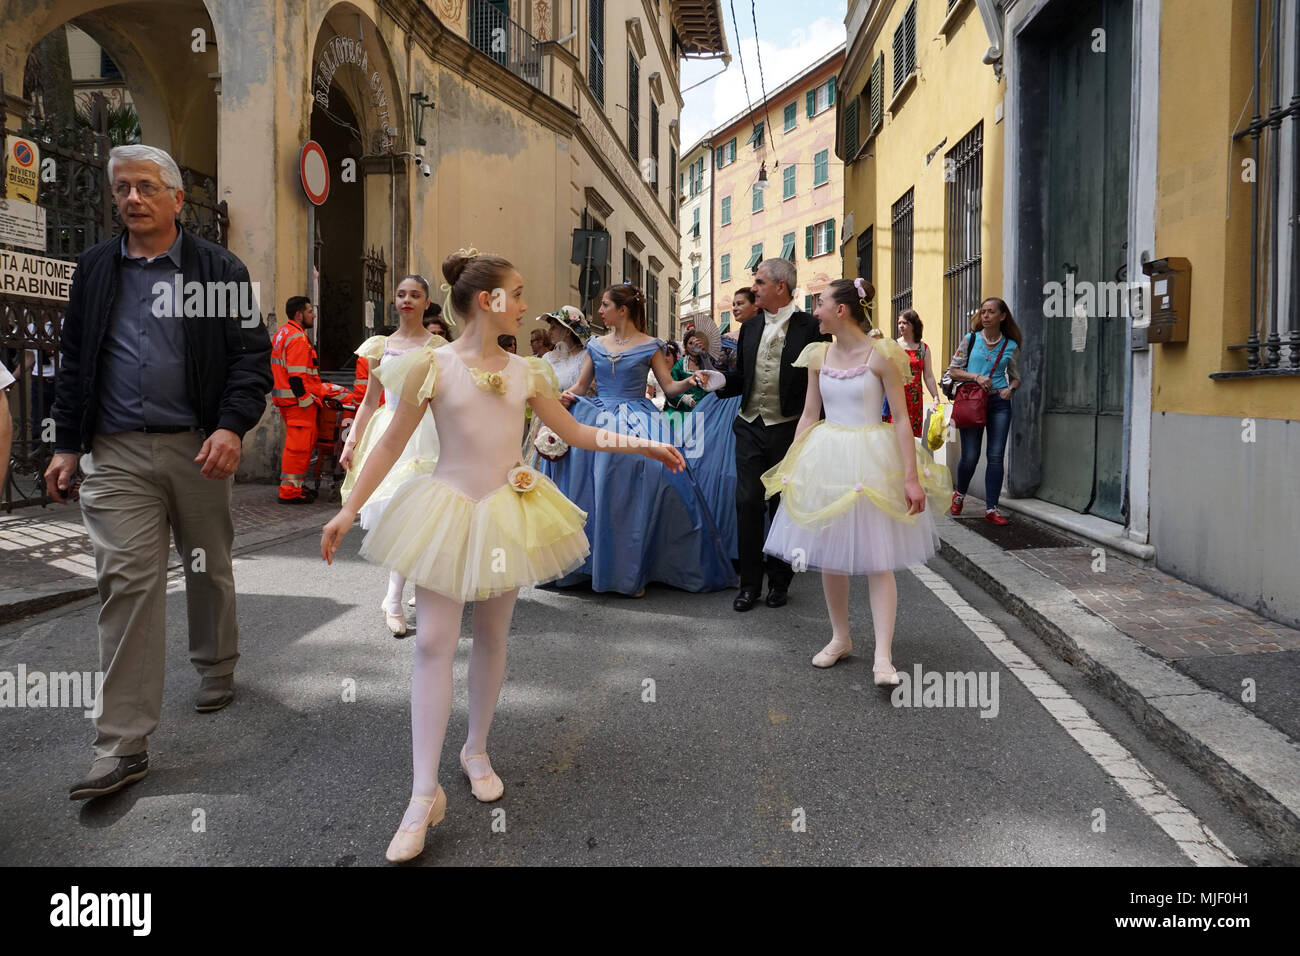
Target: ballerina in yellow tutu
column 420, row 455
column 480, row 526
column 853, row 489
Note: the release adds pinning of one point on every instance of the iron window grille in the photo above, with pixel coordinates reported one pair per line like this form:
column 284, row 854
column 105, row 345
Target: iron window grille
column 1272, row 344
column 963, row 173
column 901, row 234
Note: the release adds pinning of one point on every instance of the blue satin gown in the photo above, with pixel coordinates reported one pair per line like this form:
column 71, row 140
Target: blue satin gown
column 645, row 523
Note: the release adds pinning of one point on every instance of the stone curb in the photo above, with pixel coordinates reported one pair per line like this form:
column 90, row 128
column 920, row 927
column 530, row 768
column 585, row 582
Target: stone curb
column 1251, row 763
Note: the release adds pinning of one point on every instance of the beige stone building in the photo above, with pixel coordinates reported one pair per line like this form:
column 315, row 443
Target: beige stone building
column 509, row 126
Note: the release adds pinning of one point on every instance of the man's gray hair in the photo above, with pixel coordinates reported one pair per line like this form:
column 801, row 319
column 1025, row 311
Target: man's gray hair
column 171, row 173
column 781, row 270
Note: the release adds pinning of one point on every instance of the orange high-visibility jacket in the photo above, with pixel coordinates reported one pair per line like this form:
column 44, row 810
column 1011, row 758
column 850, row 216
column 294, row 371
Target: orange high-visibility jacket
column 293, row 363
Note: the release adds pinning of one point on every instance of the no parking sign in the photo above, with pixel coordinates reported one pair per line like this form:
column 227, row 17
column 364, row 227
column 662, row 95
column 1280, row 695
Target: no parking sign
column 22, row 163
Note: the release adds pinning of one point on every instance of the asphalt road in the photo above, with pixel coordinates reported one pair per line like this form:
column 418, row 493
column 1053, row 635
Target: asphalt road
column 746, row 755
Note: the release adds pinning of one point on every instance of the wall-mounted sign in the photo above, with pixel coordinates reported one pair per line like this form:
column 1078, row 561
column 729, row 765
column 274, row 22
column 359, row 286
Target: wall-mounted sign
column 22, row 224
column 22, row 165
column 36, row 276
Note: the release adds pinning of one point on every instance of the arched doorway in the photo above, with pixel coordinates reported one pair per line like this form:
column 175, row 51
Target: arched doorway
column 361, row 230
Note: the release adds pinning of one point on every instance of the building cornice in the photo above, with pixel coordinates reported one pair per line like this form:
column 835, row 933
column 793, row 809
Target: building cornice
column 653, row 213
column 665, row 59
column 450, row 49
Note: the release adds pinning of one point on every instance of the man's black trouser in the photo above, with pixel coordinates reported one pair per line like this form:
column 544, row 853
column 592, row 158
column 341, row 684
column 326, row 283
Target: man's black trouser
column 758, row 448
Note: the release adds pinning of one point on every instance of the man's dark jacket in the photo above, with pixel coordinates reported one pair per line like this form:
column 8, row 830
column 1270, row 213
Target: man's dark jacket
column 227, row 363
column 802, row 330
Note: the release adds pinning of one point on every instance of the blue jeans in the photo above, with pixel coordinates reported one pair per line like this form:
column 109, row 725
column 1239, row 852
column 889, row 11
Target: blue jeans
column 999, row 426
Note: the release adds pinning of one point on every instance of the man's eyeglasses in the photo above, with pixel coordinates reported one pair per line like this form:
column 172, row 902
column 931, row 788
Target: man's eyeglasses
column 146, row 189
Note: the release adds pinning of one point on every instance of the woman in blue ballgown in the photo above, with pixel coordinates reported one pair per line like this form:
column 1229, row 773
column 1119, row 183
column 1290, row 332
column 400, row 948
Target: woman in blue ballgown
column 645, row 523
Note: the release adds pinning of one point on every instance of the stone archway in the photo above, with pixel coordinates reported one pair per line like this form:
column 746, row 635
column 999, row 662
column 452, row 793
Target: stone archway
column 173, row 95
column 356, row 114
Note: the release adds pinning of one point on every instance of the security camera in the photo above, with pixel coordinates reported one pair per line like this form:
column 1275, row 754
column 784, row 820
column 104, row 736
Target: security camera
column 419, row 160
column 426, row 170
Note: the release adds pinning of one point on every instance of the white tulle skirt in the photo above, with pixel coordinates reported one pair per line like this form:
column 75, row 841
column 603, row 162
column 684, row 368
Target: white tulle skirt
column 842, row 503
column 419, row 457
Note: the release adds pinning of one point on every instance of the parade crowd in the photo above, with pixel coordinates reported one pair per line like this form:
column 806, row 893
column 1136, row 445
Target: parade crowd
column 607, row 461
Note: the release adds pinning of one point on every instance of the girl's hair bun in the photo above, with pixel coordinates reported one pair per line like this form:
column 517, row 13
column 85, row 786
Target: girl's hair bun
column 453, row 266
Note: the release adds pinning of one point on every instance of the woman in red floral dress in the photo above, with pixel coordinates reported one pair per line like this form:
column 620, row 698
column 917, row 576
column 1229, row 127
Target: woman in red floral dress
column 918, row 354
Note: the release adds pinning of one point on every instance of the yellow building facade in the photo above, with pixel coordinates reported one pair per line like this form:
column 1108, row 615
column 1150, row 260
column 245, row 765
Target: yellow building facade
column 920, row 137
column 798, row 213
column 517, row 127
column 1124, row 175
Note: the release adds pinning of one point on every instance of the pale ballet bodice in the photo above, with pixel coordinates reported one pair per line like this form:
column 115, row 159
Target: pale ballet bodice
column 391, row 397
column 479, row 430
column 851, row 397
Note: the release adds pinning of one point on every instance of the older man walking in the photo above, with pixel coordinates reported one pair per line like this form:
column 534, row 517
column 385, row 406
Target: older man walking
column 160, row 379
column 774, row 392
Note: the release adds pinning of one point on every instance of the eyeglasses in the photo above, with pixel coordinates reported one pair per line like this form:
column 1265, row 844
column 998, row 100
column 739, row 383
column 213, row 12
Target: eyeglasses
column 146, row 189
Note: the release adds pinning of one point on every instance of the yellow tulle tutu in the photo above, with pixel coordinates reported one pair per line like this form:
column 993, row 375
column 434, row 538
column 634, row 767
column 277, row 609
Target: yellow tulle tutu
column 830, row 467
column 473, row 550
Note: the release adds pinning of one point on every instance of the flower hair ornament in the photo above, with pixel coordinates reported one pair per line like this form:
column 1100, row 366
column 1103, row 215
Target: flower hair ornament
column 863, row 300
column 448, row 312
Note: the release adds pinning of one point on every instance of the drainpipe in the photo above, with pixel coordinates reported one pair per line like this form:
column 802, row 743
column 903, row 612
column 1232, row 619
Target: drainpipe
column 573, row 22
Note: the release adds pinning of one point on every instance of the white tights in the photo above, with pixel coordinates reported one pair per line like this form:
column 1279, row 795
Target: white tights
column 437, row 631
column 884, row 608
column 393, row 600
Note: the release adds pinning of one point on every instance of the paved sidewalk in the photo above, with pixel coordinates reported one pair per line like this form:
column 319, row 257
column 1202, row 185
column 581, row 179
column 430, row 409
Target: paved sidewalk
column 1215, row 682
column 46, row 559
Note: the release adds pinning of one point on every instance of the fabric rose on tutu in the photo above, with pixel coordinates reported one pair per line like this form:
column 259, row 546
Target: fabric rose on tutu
column 523, row 479
column 550, row 445
column 489, row 381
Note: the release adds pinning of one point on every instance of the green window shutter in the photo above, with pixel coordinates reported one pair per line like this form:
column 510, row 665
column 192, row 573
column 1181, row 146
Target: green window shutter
column 725, row 266
column 831, row 95
column 790, row 114
column 830, row 236
column 812, row 103
column 809, row 247
column 758, row 199
column 726, row 210
column 807, row 303
column 851, row 128
column 787, row 184
column 878, row 93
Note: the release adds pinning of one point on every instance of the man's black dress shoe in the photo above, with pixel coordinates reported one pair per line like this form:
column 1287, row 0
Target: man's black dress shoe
column 776, row 597
column 110, row 774
column 745, row 600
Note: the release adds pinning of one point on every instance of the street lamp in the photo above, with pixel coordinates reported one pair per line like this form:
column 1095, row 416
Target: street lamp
column 419, row 103
column 762, row 176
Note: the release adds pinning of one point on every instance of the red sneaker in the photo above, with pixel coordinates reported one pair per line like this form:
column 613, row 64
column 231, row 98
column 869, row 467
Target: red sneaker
column 995, row 517
column 957, row 499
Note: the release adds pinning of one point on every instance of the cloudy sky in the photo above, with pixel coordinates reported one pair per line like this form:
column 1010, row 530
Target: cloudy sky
column 790, row 38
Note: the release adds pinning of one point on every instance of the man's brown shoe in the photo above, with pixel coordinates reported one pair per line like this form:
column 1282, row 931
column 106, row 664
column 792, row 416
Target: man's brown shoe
column 215, row 693
column 110, row 774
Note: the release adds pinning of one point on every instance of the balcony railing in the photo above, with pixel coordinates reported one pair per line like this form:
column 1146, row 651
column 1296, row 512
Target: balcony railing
column 501, row 38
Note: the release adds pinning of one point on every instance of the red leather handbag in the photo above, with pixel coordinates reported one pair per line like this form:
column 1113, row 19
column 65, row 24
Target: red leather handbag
column 970, row 405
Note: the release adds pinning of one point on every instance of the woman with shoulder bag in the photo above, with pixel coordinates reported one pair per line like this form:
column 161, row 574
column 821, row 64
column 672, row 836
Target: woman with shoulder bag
column 986, row 373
